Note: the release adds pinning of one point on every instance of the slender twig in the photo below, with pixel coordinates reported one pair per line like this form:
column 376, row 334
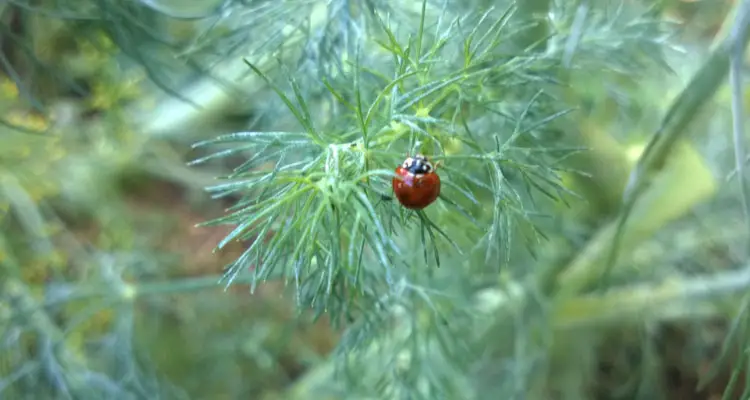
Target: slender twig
column 667, row 300
column 132, row 291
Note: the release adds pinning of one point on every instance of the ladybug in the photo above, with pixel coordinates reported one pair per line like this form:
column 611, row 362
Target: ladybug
column 417, row 184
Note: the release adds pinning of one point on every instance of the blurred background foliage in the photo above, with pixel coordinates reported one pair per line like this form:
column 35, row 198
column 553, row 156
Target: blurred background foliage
column 109, row 290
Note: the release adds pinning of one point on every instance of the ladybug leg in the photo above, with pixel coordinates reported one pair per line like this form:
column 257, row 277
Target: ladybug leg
column 383, row 198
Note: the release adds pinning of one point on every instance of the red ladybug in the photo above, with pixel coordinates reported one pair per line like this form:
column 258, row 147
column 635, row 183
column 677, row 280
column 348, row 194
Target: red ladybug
column 417, row 184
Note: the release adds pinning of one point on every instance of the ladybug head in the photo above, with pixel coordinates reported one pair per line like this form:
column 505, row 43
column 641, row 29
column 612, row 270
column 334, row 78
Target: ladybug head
column 417, row 165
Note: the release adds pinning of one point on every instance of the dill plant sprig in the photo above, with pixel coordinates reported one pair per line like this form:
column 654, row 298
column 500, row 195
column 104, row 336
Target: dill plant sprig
column 317, row 195
column 313, row 202
column 318, row 178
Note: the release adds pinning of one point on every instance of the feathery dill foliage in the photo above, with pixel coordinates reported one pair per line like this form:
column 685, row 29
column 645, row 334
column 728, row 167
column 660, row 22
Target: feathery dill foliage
column 314, row 204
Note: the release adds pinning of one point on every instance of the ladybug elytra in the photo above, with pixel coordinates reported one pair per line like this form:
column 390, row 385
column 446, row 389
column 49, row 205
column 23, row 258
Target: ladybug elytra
column 417, row 184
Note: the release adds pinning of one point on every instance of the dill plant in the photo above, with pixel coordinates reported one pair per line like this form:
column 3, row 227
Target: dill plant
column 483, row 93
column 316, row 202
